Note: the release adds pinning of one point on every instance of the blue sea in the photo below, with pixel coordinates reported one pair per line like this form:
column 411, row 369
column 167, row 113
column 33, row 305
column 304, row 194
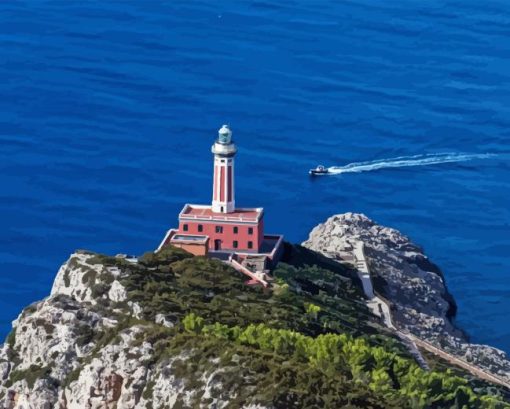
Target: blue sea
column 108, row 110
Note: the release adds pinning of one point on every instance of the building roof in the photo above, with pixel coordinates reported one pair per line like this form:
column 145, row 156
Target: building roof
column 200, row 212
column 189, row 238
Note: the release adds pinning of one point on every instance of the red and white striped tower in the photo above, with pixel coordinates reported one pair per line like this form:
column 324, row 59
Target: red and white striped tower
column 224, row 151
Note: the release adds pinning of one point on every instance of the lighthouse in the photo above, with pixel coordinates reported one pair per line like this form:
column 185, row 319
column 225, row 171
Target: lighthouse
column 224, row 151
column 222, row 230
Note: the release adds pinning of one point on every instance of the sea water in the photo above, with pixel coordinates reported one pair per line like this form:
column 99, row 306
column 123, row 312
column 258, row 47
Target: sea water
column 108, row 111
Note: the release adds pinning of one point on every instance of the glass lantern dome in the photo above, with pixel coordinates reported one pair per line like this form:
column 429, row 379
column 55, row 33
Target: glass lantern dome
column 225, row 135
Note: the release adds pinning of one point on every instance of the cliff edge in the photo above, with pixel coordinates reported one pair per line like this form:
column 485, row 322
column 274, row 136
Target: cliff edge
column 405, row 277
column 170, row 330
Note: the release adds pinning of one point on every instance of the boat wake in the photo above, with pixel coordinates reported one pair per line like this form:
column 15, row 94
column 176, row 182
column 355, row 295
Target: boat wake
column 406, row 161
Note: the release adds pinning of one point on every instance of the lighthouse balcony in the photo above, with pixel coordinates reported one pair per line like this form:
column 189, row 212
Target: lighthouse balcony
column 204, row 212
column 224, row 150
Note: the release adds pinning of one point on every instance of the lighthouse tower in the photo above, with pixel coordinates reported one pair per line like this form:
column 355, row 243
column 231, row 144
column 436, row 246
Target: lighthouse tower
column 224, row 150
column 222, row 230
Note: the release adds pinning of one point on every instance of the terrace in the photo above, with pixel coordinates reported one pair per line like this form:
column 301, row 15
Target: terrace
column 200, row 212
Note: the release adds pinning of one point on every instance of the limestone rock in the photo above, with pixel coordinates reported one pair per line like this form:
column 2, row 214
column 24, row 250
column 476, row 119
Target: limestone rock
column 54, row 359
column 414, row 286
column 117, row 292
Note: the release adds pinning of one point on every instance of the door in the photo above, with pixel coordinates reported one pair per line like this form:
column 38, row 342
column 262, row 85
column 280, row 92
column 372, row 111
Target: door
column 217, row 244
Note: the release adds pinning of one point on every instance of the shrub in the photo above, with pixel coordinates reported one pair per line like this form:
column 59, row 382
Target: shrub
column 89, row 278
column 99, row 289
column 383, row 371
column 193, row 323
column 71, row 377
column 30, row 375
column 312, row 310
column 67, row 278
column 11, row 338
column 311, row 344
column 167, row 255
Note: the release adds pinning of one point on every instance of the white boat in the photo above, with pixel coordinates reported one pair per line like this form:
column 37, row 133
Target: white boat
column 319, row 170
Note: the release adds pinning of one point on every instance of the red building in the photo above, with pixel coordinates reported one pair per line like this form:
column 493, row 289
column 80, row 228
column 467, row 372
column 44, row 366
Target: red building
column 239, row 230
column 221, row 229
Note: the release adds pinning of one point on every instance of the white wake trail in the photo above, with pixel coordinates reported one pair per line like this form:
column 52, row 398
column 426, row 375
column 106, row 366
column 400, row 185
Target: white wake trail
column 405, row 161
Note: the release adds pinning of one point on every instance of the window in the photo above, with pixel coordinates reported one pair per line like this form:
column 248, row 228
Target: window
column 200, row 228
column 185, row 227
column 250, row 230
column 236, row 244
column 219, row 229
column 236, row 229
column 250, row 244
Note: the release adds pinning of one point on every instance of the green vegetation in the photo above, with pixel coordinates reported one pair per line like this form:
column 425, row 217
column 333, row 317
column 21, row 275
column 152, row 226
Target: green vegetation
column 30, row 375
column 193, row 323
column 29, row 310
column 312, row 310
column 174, row 283
column 67, row 279
column 149, row 388
column 89, row 277
column 85, row 335
column 48, row 327
column 395, row 378
column 11, row 338
column 71, row 377
column 310, row 343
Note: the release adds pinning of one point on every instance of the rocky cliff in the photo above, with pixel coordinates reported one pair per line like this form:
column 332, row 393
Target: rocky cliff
column 84, row 347
column 170, row 330
column 413, row 285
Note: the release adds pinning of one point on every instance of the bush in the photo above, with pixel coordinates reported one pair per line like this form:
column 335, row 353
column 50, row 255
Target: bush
column 312, row 310
column 30, row 375
column 11, row 338
column 167, row 255
column 382, row 371
column 193, row 323
column 310, row 344
column 89, row 278
column 71, row 377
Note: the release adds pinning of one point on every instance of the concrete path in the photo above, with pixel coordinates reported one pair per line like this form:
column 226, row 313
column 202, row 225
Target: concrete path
column 478, row 372
column 257, row 276
column 378, row 306
column 381, row 309
column 362, row 269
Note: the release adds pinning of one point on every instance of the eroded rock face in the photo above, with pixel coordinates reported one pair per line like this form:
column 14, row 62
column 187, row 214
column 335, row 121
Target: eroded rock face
column 82, row 347
column 403, row 274
column 79, row 275
column 55, row 356
column 114, row 378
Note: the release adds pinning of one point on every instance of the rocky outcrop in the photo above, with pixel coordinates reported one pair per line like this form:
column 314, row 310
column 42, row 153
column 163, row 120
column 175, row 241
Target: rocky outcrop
column 80, row 349
column 112, row 333
column 403, row 275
